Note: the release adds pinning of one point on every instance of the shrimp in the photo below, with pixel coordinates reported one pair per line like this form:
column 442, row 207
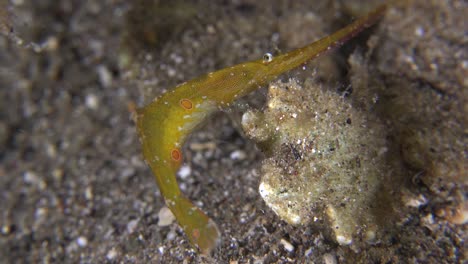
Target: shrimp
column 164, row 124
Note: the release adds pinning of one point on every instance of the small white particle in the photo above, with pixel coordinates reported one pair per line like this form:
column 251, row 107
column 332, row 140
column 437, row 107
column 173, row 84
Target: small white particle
column 171, row 235
column 82, row 241
column 264, row 190
column 370, row 235
column 51, row 150
column 238, row 155
column 105, row 76
column 211, row 29
column 176, row 58
column 382, row 151
column 294, row 115
column 184, row 172
column 111, row 254
column 6, row 229
column 127, row 172
column 161, row 250
column 171, row 72
column 132, row 225
column 416, row 201
column 19, row 41
column 295, row 219
column 288, row 246
column 329, row 259
column 92, row 101
column 419, row 31
column 88, row 193
column 30, row 177
column 342, row 240
column 166, row 217
column 40, row 213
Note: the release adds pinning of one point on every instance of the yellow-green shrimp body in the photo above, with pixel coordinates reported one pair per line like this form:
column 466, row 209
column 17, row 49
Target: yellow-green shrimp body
column 164, row 124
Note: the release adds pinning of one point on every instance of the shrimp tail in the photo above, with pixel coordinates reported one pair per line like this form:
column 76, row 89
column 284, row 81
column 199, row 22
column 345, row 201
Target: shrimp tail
column 199, row 228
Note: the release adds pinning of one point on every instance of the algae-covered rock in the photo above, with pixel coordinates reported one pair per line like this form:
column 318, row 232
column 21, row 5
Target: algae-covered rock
column 325, row 161
column 419, row 73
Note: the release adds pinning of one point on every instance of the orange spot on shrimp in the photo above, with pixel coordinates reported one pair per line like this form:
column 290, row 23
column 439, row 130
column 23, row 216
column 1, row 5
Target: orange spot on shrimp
column 186, row 104
column 176, row 155
column 196, row 234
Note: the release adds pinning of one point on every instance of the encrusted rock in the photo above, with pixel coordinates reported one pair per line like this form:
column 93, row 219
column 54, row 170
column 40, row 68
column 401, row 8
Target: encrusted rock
column 325, row 161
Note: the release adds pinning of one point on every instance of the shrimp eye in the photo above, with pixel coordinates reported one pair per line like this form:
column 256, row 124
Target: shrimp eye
column 267, row 57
